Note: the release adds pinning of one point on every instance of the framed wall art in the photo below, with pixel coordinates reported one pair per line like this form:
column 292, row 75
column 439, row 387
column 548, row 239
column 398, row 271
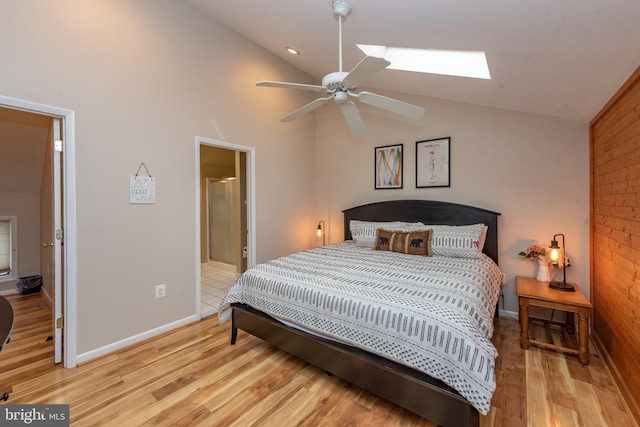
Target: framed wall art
column 433, row 163
column 388, row 167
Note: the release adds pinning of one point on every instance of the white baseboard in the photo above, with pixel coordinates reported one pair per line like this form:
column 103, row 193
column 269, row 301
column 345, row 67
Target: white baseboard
column 43, row 291
column 510, row 314
column 47, row 297
column 89, row 355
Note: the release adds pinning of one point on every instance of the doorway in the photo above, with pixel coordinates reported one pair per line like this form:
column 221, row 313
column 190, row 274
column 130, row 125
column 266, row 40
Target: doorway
column 225, row 223
column 57, row 179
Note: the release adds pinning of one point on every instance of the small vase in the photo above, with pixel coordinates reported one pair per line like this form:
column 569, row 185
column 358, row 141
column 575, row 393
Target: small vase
column 544, row 271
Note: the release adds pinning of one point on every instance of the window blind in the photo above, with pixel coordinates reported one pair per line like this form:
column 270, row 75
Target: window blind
column 5, row 246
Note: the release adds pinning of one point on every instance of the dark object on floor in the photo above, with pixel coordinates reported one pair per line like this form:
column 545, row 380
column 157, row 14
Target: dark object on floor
column 49, row 338
column 6, row 325
column 29, row 284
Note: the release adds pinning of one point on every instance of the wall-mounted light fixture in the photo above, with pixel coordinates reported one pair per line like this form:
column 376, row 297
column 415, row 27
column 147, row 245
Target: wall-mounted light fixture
column 555, row 257
column 321, row 232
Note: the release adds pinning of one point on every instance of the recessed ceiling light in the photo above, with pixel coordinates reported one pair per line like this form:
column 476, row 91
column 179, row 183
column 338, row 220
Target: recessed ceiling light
column 292, row 51
column 434, row 61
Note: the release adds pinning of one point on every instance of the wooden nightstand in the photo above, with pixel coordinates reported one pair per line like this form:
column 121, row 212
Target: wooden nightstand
column 532, row 292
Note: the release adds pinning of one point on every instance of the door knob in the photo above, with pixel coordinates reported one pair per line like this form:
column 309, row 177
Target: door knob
column 48, row 245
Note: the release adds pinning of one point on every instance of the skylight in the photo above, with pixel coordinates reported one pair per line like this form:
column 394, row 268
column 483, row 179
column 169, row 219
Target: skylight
column 434, row 61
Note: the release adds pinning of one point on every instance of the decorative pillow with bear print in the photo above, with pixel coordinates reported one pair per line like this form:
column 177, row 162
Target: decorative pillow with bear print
column 412, row 242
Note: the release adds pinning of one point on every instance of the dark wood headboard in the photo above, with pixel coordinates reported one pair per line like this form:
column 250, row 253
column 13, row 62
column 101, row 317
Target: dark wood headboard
column 428, row 212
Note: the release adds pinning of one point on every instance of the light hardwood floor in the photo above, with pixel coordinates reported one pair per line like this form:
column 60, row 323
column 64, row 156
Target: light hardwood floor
column 192, row 376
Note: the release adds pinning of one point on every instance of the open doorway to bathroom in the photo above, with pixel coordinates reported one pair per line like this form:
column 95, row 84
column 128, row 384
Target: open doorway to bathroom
column 224, row 220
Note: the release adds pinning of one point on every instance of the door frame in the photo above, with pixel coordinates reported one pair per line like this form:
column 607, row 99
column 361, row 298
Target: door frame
column 56, row 148
column 251, row 205
column 69, row 255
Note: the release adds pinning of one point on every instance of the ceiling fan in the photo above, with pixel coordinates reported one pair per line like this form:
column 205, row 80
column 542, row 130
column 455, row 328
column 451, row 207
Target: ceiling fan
column 340, row 85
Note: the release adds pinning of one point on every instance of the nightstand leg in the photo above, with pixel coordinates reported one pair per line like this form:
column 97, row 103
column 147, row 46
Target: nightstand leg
column 583, row 339
column 524, row 325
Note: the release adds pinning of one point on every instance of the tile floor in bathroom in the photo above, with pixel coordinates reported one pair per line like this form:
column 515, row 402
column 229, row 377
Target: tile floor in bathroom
column 216, row 279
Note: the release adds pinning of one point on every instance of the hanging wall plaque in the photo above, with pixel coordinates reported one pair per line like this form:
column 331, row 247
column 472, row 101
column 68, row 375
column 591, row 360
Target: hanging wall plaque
column 142, row 189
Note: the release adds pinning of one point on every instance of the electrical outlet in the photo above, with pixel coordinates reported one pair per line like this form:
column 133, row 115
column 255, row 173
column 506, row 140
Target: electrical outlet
column 161, row 290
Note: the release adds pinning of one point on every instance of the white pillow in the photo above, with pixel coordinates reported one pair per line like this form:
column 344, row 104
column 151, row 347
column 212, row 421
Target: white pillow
column 458, row 240
column 363, row 233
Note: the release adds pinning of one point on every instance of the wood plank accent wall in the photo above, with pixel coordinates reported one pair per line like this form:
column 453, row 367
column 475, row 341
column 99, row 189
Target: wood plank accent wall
column 615, row 236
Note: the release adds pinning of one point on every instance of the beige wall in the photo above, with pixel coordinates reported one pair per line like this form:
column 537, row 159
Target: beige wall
column 145, row 78
column 500, row 160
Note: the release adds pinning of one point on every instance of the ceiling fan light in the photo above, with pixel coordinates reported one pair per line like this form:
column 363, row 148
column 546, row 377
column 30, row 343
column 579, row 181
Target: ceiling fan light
column 340, row 85
column 435, row 61
column 340, row 97
column 292, row 50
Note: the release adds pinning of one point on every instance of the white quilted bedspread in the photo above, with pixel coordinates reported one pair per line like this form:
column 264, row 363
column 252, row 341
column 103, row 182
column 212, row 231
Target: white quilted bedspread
column 434, row 314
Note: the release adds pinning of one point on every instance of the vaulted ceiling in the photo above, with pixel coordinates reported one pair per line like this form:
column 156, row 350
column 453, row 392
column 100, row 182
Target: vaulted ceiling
column 559, row 58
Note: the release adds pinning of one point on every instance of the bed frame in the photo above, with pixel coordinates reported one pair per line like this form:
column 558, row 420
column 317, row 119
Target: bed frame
column 406, row 387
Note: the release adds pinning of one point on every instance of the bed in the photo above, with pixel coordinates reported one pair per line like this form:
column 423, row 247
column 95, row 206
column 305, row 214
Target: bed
column 388, row 376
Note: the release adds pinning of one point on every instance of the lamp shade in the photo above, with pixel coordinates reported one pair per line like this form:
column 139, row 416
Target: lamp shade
column 559, row 259
column 320, row 232
column 554, row 252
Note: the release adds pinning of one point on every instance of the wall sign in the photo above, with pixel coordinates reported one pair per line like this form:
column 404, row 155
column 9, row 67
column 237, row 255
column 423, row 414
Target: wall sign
column 142, row 189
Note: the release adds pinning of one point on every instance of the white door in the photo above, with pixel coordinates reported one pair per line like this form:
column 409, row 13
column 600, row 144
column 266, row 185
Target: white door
column 58, row 320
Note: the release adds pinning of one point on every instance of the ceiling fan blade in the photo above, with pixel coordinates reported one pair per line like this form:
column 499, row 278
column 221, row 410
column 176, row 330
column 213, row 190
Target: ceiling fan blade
column 366, row 68
column 286, row 85
column 393, row 105
column 305, row 109
column 351, row 115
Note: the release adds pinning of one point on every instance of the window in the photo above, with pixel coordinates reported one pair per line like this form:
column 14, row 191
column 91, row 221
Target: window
column 8, row 261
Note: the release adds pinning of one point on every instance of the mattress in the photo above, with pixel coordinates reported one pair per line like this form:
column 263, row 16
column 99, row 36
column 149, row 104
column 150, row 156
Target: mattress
column 433, row 314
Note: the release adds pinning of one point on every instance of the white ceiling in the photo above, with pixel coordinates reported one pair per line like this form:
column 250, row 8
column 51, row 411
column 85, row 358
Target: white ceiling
column 562, row 58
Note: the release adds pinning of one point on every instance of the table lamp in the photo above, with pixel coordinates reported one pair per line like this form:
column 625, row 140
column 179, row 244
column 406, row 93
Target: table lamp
column 554, row 254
